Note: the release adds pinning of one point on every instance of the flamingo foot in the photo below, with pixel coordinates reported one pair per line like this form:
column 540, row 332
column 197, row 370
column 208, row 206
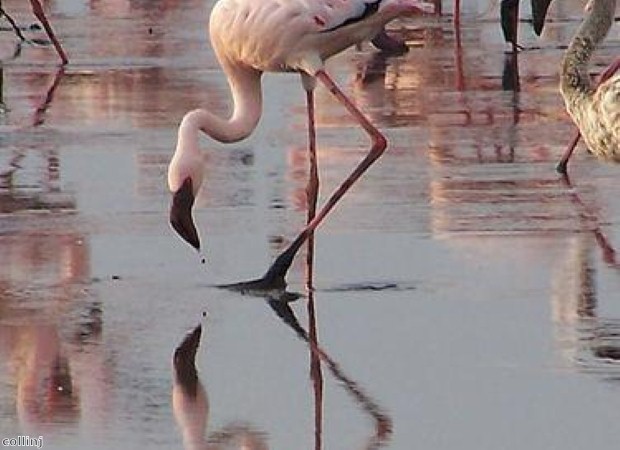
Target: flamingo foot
column 272, row 285
column 389, row 44
column 562, row 167
column 272, row 290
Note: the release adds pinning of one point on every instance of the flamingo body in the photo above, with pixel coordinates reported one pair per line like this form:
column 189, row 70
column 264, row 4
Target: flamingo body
column 595, row 110
column 296, row 35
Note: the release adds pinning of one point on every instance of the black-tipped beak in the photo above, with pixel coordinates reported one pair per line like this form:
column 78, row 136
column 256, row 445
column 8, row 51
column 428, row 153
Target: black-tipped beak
column 181, row 214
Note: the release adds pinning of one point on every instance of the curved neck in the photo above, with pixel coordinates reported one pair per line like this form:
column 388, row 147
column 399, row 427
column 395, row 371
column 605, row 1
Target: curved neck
column 575, row 81
column 245, row 86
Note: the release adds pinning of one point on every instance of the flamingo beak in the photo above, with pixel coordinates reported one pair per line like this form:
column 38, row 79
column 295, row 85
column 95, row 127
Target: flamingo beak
column 181, row 214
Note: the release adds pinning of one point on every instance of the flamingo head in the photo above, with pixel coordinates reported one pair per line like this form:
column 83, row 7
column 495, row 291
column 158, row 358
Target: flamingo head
column 181, row 213
column 185, row 176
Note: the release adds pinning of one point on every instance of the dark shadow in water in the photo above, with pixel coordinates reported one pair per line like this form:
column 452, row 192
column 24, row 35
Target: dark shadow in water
column 191, row 405
column 370, row 287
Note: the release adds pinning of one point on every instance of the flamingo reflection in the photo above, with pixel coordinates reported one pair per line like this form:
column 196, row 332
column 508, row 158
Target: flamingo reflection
column 49, row 325
column 586, row 337
column 190, row 406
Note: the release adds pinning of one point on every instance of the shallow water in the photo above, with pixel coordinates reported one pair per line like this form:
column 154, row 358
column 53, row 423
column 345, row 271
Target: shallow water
column 466, row 297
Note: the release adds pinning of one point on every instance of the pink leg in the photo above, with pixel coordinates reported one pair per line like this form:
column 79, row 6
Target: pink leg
column 609, row 71
column 312, row 193
column 312, row 189
column 278, row 269
column 604, row 76
column 13, row 24
column 561, row 167
column 457, row 12
column 37, row 9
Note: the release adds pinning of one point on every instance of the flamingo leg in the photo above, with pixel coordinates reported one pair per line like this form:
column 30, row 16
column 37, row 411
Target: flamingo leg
column 312, row 189
column 312, row 193
column 609, row 72
column 457, row 12
column 562, row 165
column 13, row 24
column 37, row 9
column 604, row 76
column 280, row 266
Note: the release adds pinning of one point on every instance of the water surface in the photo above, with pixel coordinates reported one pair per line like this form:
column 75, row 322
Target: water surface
column 465, row 296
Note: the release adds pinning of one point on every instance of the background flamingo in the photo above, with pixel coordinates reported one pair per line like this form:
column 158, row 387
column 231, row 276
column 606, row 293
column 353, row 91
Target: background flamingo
column 595, row 111
column 250, row 38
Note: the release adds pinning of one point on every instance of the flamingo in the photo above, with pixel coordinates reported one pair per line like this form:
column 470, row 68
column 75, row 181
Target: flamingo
column 37, row 10
column 595, row 110
column 509, row 18
column 250, row 38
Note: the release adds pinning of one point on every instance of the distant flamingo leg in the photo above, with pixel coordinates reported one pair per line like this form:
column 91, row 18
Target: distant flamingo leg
column 37, row 9
column 457, row 12
column 604, row 76
column 13, row 24
column 280, row 266
column 562, row 165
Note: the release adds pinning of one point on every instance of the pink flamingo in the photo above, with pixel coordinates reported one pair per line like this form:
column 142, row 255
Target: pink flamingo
column 594, row 109
column 37, row 10
column 250, row 38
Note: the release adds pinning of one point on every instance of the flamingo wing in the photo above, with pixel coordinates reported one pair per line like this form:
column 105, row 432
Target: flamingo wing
column 333, row 14
column 539, row 12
